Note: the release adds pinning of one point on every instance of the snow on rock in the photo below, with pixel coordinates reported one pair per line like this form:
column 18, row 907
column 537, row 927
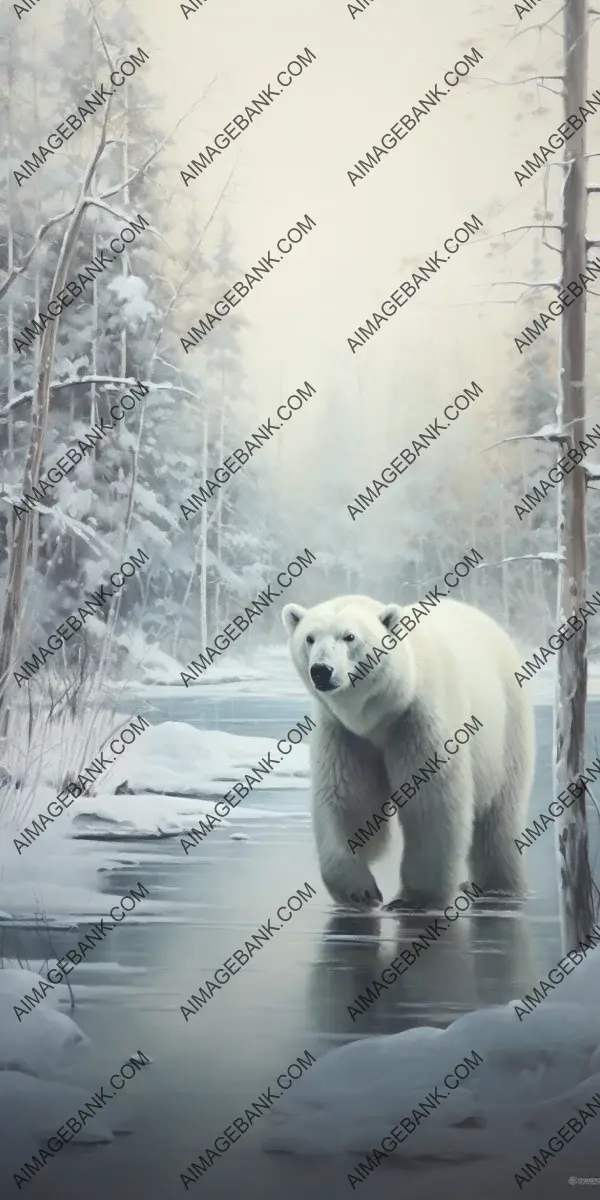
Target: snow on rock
column 176, row 758
column 146, row 816
column 139, row 816
column 187, row 770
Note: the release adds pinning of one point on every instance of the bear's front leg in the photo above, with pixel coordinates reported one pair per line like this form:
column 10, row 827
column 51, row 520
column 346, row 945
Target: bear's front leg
column 436, row 830
column 346, row 877
column 349, row 784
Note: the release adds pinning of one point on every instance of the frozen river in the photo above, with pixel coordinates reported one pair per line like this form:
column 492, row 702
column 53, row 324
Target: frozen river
column 292, row 996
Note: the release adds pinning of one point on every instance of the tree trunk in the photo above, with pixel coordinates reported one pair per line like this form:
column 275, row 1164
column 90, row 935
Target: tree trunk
column 219, row 514
column 204, row 538
column 13, row 603
column 576, row 899
column 10, row 362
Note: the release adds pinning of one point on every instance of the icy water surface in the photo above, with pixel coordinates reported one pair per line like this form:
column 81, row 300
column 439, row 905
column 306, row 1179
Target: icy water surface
column 292, row 996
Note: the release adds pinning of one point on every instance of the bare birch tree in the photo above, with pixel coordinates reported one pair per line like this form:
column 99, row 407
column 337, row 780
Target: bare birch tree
column 576, row 884
column 577, row 891
column 39, row 421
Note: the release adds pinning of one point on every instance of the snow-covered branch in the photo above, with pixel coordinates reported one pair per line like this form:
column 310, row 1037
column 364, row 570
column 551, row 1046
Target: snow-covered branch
column 526, row 283
column 548, row 433
column 521, row 228
column 109, row 381
column 39, row 237
column 550, row 556
column 528, row 79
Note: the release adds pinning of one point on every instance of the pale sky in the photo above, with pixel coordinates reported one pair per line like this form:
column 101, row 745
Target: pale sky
column 294, row 160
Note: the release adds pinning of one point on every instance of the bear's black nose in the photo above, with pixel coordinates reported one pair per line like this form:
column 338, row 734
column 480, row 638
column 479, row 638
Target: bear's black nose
column 321, row 676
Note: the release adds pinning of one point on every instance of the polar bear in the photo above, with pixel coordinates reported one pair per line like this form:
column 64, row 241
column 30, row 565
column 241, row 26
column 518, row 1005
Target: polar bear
column 388, row 720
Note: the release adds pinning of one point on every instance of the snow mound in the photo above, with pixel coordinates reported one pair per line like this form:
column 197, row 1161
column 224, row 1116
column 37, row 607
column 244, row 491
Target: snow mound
column 534, row 1070
column 40, row 1042
column 176, row 758
column 33, row 1109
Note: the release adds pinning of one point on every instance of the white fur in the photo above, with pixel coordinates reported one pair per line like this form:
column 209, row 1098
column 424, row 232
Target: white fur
column 370, row 738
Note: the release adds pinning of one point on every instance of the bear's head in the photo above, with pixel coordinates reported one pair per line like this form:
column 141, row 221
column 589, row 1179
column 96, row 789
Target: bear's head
column 331, row 644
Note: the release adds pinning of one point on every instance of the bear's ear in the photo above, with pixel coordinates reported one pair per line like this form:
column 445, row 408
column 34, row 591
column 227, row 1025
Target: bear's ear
column 390, row 615
column 291, row 615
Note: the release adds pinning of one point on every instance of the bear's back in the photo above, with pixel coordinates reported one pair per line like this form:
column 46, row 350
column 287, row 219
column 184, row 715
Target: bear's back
column 465, row 668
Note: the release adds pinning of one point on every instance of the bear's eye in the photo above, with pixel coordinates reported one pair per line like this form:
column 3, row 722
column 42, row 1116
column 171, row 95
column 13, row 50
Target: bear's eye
column 309, row 639
column 348, row 637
